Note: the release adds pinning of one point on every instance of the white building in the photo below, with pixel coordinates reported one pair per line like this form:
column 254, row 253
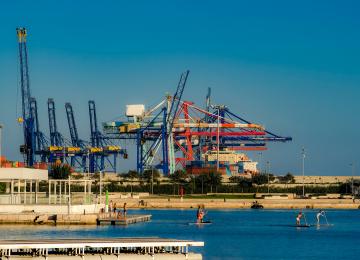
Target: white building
column 21, row 184
column 238, row 163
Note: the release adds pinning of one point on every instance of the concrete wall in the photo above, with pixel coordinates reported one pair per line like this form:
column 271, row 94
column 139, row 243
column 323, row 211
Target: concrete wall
column 324, row 179
column 52, row 209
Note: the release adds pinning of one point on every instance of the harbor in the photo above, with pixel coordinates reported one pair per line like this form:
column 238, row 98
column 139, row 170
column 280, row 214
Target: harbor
column 222, row 240
column 179, row 130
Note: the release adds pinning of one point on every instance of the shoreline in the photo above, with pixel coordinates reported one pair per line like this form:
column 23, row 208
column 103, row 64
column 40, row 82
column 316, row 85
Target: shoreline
column 177, row 203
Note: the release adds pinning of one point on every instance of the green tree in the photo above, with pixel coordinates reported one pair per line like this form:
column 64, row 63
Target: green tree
column 130, row 176
column 60, row 171
column 259, row 179
column 235, row 179
column 289, row 178
column 179, row 177
column 214, row 180
column 244, row 183
column 201, row 181
column 151, row 175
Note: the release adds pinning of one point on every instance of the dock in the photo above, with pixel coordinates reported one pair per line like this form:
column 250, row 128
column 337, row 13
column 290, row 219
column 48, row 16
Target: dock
column 100, row 248
column 71, row 219
column 130, row 219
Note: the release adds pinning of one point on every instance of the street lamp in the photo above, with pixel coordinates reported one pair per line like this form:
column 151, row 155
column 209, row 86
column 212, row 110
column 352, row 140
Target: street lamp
column 260, row 161
column 218, row 107
column 152, row 180
column 268, row 175
column 100, row 189
column 1, row 127
column 352, row 178
column 303, row 170
column 218, row 138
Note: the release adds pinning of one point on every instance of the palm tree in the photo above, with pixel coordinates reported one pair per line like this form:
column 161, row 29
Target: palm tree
column 179, row 177
column 130, row 176
column 214, row 180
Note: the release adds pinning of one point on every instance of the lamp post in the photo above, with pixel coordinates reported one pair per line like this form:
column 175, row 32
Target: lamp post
column 303, row 170
column 268, row 175
column 100, row 189
column 218, row 139
column 218, row 107
column 1, row 127
column 260, row 161
column 352, row 178
column 152, row 180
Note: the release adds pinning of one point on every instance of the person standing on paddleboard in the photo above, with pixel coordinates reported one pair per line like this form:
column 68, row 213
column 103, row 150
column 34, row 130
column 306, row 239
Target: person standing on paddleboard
column 318, row 215
column 298, row 218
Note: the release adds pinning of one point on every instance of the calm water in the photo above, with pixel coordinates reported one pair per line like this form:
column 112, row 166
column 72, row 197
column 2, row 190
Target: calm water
column 234, row 234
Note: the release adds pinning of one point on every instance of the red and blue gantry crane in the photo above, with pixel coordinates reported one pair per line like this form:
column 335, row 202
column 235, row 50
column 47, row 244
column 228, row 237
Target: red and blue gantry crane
column 176, row 133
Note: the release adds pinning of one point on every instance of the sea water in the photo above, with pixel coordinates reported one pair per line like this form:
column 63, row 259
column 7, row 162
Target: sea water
column 234, row 234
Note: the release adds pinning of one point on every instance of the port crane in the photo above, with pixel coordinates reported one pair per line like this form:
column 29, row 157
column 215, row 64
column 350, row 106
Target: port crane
column 78, row 151
column 178, row 132
column 35, row 142
column 98, row 151
column 41, row 141
column 27, row 120
column 101, row 147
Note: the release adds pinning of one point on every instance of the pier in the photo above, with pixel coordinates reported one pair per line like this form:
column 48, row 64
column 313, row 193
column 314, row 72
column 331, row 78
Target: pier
column 131, row 219
column 71, row 219
column 100, row 248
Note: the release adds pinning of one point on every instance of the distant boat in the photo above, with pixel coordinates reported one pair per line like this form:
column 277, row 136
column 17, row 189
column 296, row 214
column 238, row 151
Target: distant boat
column 257, row 205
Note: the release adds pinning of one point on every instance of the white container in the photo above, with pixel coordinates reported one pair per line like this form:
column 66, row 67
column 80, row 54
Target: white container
column 135, row 110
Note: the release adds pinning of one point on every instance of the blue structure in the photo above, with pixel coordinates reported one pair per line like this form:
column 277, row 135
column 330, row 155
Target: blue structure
column 28, row 148
column 153, row 137
column 41, row 143
column 56, row 139
column 78, row 152
column 101, row 147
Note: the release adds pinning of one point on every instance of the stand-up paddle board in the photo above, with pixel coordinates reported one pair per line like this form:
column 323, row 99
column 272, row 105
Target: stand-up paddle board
column 201, row 223
column 324, row 225
column 302, row 226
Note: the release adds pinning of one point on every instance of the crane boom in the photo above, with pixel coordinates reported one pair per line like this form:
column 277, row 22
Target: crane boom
column 55, row 137
column 28, row 148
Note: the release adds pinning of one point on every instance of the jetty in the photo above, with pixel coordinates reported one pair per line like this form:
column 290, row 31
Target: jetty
column 131, row 219
column 71, row 219
column 100, row 248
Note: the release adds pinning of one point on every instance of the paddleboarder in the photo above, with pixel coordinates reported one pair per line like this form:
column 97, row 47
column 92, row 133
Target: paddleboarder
column 321, row 213
column 298, row 218
column 200, row 214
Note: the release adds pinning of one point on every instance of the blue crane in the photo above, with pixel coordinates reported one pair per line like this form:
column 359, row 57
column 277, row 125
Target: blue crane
column 79, row 146
column 101, row 148
column 96, row 141
column 56, row 138
column 28, row 148
column 171, row 117
column 41, row 143
column 57, row 141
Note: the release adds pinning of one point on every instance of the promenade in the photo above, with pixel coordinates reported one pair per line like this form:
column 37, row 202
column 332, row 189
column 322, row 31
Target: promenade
column 187, row 203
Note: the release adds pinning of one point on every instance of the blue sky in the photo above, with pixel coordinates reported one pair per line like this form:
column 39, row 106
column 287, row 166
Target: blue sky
column 292, row 66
